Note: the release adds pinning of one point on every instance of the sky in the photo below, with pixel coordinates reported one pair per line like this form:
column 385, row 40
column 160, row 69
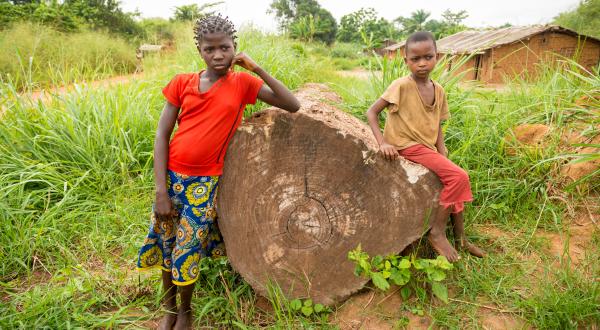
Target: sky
column 482, row 13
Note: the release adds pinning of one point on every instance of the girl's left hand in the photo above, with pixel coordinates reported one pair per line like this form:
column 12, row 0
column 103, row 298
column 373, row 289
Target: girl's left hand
column 244, row 61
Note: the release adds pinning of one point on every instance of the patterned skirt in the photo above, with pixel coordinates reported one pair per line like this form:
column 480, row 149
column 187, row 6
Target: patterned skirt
column 177, row 244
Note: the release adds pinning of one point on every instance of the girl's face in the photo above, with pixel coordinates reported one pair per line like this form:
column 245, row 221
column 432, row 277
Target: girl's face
column 217, row 51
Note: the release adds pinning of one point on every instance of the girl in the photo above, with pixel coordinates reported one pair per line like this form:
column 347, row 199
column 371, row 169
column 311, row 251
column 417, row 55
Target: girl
column 207, row 107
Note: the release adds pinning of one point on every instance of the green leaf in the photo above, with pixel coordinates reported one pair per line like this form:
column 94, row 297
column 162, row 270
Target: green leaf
column 308, row 302
column 443, row 263
column 364, row 265
column 386, row 274
column 404, row 264
column 400, row 277
column 307, row 310
column 376, row 262
column 318, row 308
column 405, row 292
column 437, row 275
column 296, row 304
column 418, row 263
column 379, row 281
column 388, row 265
column 440, row 291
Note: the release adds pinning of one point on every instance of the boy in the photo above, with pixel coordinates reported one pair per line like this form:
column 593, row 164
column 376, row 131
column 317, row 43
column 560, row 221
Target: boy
column 417, row 106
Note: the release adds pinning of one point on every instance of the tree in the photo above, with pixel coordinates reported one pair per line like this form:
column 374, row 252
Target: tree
column 584, row 19
column 293, row 16
column 416, row 21
column 193, row 12
column 364, row 25
column 451, row 23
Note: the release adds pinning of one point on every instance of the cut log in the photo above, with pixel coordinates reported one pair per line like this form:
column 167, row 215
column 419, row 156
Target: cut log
column 300, row 190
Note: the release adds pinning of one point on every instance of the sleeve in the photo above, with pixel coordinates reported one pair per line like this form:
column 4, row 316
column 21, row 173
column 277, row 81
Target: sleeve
column 444, row 112
column 392, row 95
column 173, row 91
column 252, row 86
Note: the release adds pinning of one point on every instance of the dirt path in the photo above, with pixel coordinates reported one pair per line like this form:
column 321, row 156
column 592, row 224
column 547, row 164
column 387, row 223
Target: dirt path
column 359, row 73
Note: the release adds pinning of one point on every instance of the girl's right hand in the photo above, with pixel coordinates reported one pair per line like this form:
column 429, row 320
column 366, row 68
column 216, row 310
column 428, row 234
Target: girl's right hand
column 163, row 207
column 388, row 151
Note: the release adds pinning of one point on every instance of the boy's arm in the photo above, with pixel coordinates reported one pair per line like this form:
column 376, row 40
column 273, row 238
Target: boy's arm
column 275, row 93
column 388, row 150
column 166, row 123
column 439, row 143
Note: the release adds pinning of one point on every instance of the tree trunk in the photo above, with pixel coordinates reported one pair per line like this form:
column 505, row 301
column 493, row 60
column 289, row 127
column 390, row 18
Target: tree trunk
column 301, row 190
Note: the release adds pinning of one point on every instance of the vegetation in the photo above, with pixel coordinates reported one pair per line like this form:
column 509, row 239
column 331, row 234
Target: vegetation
column 30, row 58
column 305, row 20
column 584, row 19
column 76, row 176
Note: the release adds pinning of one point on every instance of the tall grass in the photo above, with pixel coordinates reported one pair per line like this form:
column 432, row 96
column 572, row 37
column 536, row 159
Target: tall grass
column 34, row 56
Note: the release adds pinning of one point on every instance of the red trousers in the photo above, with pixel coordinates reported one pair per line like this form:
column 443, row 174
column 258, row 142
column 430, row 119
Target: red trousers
column 457, row 188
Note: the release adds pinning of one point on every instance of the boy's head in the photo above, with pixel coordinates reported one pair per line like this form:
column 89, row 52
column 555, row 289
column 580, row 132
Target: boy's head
column 214, row 36
column 420, row 53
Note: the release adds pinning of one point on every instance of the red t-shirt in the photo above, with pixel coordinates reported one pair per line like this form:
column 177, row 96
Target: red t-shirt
column 207, row 120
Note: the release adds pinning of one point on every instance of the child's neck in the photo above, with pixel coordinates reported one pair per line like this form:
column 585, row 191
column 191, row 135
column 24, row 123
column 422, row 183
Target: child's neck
column 212, row 75
column 420, row 80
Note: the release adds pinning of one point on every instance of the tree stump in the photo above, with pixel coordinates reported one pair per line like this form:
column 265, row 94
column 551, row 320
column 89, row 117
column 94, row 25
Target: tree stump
column 300, row 190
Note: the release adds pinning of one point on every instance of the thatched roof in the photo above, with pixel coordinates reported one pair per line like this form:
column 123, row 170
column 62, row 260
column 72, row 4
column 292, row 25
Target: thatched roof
column 473, row 41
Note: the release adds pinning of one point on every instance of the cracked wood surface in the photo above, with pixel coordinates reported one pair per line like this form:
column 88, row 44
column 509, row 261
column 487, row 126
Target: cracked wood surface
column 301, row 190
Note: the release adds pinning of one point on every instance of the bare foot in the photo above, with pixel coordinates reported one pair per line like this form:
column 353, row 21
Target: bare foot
column 184, row 320
column 473, row 249
column 167, row 321
column 441, row 245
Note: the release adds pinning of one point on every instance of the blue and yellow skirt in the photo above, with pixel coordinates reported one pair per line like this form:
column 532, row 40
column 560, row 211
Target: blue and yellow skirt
column 177, row 245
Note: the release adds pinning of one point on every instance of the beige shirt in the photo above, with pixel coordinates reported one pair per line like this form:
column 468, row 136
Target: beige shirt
column 410, row 121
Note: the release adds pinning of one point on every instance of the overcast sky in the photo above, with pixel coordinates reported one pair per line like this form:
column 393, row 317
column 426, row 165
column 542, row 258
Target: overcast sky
column 482, row 13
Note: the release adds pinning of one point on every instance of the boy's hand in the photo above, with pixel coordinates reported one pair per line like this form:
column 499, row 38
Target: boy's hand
column 163, row 207
column 388, row 151
column 244, row 61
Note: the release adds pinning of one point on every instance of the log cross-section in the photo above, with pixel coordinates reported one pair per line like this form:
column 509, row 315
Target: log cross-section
column 300, row 190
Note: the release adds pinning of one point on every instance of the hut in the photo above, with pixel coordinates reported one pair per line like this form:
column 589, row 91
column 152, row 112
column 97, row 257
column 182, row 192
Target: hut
column 494, row 54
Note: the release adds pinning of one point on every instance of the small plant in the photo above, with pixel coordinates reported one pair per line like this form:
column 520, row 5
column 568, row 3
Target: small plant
column 308, row 308
column 409, row 273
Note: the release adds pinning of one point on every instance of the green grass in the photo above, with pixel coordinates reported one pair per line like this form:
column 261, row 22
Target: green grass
column 34, row 57
column 76, row 183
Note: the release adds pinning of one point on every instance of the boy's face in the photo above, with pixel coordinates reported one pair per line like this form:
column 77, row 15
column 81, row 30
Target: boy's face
column 217, row 51
column 421, row 58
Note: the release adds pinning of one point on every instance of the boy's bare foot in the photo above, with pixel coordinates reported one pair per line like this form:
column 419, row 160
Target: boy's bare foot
column 184, row 320
column 441, row 245
column 473, row 249
column 168, row 321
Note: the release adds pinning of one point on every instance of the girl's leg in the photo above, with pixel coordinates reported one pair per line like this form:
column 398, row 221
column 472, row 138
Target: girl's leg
column 170, row 302
column 184, row 316
column 458, row 221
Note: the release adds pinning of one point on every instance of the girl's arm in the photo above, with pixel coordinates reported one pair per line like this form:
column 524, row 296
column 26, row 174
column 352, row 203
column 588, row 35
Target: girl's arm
column 388, row 150
column 163, row 206
column 439, row 143
column 275, row 93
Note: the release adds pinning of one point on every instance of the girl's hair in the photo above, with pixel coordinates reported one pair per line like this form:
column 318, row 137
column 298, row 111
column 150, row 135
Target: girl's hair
column 213, row 24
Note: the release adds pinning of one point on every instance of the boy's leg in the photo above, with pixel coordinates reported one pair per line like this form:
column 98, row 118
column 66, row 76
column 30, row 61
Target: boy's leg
column 456, row 191
column 170, row 302
column 458, row 222
column 184, row 316
column 437, row 235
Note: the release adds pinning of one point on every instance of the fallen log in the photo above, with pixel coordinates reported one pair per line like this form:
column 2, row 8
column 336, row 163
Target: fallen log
column 301, row 190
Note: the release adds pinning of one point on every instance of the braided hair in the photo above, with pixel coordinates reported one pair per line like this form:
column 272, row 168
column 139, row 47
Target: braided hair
column 213, row 24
